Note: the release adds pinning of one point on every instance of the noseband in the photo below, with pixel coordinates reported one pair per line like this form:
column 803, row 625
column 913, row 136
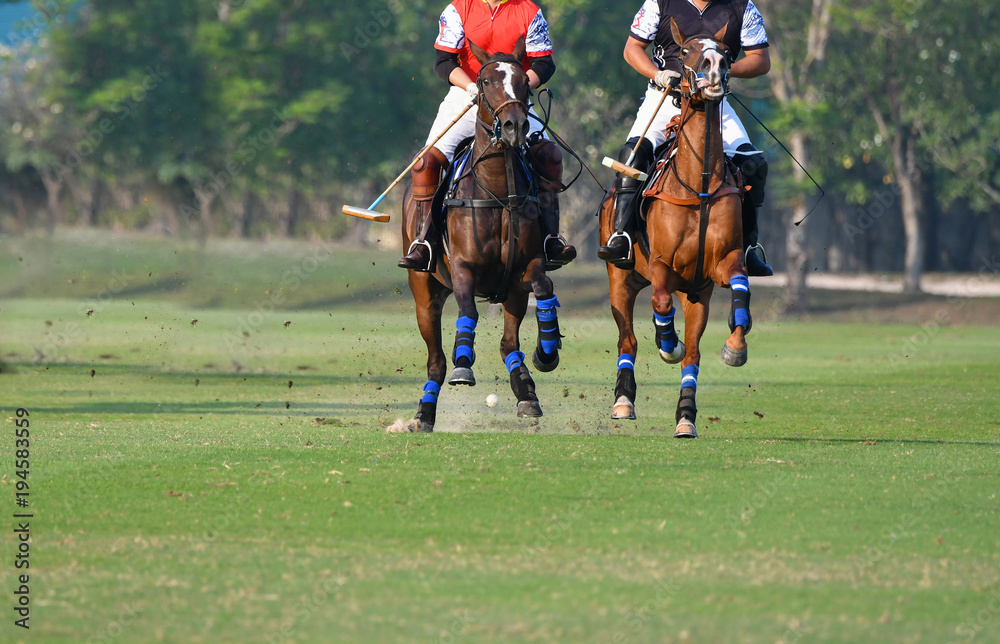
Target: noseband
column 692, row 72
column 495, row 132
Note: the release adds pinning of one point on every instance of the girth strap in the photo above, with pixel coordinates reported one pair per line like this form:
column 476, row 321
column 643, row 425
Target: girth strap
column 503, row 202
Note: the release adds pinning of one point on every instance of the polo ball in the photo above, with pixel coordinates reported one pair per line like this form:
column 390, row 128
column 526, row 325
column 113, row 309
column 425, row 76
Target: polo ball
column 492, row 400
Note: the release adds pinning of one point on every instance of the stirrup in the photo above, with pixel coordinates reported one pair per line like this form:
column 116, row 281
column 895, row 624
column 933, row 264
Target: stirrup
column 628, row 258
column 550, row 263
column 759, row 247
column 430, row 255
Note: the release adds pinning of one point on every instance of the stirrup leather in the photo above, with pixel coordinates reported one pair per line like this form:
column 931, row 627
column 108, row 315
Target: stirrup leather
column 430, row 253
column 627, row 258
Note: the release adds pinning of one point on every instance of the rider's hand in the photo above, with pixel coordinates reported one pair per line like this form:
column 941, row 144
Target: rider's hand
column 664, row 77
column 473, row 91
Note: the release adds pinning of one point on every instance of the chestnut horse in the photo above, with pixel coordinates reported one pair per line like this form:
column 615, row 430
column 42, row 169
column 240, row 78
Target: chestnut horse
column 494, row 246
column 694, row 227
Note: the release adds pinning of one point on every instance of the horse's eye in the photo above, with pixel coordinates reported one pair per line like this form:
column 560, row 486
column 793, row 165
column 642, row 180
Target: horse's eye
column 485, row 82
column 685, row 51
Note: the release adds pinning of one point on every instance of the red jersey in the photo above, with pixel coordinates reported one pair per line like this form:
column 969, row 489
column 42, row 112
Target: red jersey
column 492, row 30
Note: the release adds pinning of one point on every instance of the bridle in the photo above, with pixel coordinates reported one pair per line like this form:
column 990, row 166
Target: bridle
column 494, row 112
column 693, row 75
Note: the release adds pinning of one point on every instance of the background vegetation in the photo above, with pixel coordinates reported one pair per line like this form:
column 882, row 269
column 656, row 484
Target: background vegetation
column 260, row 118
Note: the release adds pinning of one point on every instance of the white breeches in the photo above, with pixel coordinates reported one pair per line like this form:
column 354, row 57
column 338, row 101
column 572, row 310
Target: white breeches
column 454, row 102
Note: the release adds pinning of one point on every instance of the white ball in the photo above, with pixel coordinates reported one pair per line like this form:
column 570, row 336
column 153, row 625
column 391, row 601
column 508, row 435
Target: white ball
column 492, row 400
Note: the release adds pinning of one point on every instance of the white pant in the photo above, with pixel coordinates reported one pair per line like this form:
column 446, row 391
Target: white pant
column 733, row 133
column 454, row 102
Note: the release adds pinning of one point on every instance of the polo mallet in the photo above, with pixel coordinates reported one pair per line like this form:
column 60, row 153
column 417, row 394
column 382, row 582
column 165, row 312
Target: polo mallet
column 373, row 215
column 626, row 168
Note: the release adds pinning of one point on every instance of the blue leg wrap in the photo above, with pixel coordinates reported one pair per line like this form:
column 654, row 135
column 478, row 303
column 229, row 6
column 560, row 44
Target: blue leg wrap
column 689, row 377
column 626, row 361
column 513, row 360
column 465, row 338
column 741, row 301
column 666, row 336
column 548, row 325
column 431, row 391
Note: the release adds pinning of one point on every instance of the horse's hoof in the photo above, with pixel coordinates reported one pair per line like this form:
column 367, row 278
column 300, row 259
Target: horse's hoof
column 674, row 356
column 733, row 358
column 623, row 409
column 462, row 376
column 685, row 429
column 529, row 409
column 541, row 365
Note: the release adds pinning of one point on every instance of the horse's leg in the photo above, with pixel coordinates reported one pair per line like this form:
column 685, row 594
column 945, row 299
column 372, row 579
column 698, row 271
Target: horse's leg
column 546, row 354
column 464, row 355
column 665, row 282
column 429, row 296
column 733, row 272
column 695, row 321
column 623, row 294
column 520, row 378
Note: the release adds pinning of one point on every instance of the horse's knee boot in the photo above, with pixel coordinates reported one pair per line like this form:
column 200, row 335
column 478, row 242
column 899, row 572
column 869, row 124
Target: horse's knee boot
column 465, row 340
column 546, row 356
column 739, row 314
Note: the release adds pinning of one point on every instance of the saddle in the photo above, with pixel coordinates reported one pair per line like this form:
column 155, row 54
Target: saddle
column 461, row 167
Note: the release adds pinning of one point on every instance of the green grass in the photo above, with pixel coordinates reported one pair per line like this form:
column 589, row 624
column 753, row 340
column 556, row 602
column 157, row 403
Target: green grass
column 844, row 487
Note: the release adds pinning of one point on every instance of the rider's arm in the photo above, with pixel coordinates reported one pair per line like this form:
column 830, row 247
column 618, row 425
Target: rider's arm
column 757, row 62
column 635, row 55
column 541, row 70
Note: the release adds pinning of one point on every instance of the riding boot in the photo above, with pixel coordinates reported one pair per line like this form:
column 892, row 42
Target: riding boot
column 546, row 158
column 753, row 166
column 618, row 250
column 425, row 178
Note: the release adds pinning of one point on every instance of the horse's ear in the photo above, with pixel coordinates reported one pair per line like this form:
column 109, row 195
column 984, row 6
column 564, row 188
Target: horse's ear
column 722, row 32
column 676, row 32
column 480, row 55
column 519, row 49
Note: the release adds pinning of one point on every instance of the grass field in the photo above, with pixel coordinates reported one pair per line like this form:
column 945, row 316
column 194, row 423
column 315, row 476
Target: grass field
column 209, row 464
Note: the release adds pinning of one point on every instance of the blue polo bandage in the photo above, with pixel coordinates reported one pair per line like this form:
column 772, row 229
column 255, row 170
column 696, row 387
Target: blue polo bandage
column 689, row 376
column 626, row 361
column 548, row 325
column 514, row 360
column 464, row 338
column 666, row 337
column 431, row 391
column 741, row 300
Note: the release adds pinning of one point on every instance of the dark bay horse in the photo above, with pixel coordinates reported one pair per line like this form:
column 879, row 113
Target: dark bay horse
column 494, row 247
column 694, row 228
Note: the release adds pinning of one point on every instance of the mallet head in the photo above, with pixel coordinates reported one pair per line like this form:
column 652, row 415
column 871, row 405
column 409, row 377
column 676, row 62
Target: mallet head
column 364, row 213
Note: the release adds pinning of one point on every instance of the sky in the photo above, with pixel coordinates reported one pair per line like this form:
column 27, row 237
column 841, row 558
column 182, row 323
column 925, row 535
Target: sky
column 10, row 15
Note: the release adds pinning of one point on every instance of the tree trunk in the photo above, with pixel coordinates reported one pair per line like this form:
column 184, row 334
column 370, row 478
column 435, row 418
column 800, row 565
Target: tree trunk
column 795, row 239
column 53, row 189
column 246, row 218
column 292, row 217
column 911, row 205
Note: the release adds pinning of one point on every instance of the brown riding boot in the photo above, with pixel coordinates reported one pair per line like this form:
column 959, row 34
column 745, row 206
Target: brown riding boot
column 424, row 179
column 547, row 159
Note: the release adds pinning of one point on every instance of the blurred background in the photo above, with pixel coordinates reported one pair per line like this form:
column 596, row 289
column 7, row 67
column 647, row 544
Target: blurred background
column 258, row 119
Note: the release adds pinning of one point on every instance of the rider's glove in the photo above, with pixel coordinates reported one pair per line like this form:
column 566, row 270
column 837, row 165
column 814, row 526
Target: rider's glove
column 664, row 77
column 473, row 91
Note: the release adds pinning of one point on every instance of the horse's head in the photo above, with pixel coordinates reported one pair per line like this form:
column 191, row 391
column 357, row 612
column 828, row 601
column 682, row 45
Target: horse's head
column 503, row 95
column 706, row 63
